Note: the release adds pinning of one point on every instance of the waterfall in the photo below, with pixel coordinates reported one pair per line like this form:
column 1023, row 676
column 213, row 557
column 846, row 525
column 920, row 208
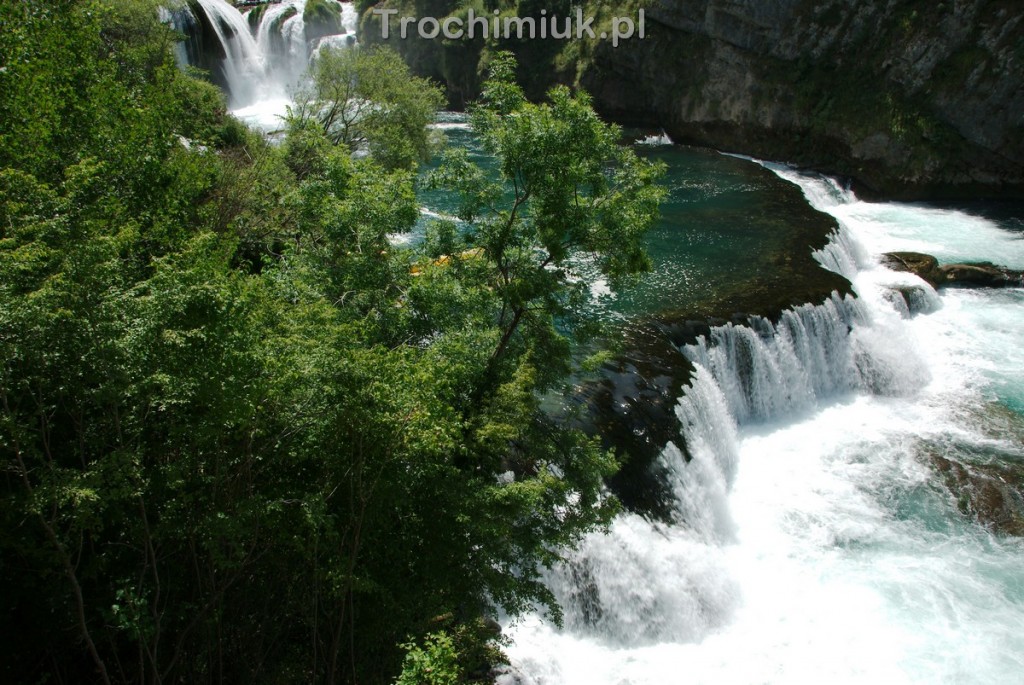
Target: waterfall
column 291, row 27
column 259, row 63
column 281, row 35
column 842, row 255
column 349, row 21
column 811, row 541
column 184, row 22
column 243, row 63
column 764, row 370
column 615, row 587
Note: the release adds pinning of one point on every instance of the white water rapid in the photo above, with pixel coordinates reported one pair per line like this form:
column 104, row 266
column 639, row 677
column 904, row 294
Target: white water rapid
column 815, row 541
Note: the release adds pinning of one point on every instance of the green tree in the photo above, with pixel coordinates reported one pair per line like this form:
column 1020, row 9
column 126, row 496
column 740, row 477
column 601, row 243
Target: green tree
column 569, row 203
column 367, row 98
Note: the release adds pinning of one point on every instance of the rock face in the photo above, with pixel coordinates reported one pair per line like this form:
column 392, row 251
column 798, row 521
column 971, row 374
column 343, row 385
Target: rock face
column 910, row 98
column 977, row 275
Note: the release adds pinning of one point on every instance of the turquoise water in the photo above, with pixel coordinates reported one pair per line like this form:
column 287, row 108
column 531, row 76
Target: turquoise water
column 726, row 226
column 728, row 231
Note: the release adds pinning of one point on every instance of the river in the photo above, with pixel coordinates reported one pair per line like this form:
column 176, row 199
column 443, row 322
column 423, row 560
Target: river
column 817, row 541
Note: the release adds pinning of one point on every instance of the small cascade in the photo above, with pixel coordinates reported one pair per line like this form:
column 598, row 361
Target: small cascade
column 281, row 21
column 349, row 22
column 701, row 484
column 842, row 255
column 767, row 370
column 654, row 140
column 826, row 192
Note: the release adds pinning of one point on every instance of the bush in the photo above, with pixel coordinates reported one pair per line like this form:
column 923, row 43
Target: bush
column 435, row 663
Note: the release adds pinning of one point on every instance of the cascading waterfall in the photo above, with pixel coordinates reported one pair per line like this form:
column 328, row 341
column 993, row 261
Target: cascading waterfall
column 263, row 62
column 285, row 17
column 765, row 371
column 243, row 62
column 813, row 541
column 842, row 255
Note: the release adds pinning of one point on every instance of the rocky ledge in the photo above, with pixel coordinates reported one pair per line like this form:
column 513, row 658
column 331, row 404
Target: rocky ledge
column 911, row 99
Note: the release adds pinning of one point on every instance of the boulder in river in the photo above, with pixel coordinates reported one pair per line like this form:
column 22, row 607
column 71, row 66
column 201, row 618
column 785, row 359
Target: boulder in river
column 922, row 265
column 976, row 274
column 981, row 275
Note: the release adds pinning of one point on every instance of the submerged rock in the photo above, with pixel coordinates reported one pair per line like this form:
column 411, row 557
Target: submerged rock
column 991, row 493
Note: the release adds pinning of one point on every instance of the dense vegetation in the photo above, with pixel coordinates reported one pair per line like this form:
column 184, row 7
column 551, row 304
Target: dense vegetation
column 245, row 438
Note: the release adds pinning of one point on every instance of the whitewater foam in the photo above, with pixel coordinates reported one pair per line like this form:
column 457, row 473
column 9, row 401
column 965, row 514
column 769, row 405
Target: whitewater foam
column 814, row 540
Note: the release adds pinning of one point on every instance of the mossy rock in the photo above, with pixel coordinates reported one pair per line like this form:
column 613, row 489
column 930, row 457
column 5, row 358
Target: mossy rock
column 255, row 16
column 322, row 18
column 924, row 266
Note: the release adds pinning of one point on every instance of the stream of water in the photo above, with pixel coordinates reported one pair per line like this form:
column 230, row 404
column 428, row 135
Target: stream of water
column 263, row 61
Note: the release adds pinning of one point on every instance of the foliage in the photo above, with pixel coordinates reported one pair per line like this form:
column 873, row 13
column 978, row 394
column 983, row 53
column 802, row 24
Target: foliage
column 246, row 438
column 367, row 98
column 435, row 663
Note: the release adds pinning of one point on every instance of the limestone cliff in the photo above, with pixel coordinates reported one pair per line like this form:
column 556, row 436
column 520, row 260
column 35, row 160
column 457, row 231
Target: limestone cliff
column 910, row 98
